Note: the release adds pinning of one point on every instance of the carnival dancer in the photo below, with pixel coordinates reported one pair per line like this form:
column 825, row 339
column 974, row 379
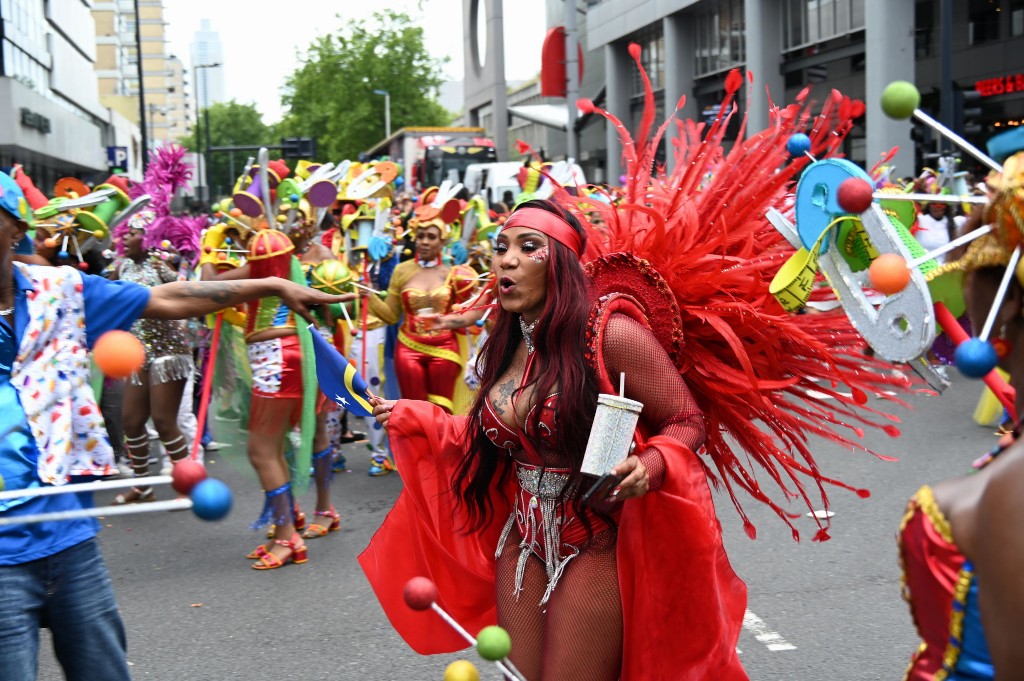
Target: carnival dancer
column 427, row 360
column 284, row 396
column 52, row 572
column 674, row 306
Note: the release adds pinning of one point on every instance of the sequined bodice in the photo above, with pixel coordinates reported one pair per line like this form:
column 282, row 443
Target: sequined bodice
column 415, row 301
column 160, row 337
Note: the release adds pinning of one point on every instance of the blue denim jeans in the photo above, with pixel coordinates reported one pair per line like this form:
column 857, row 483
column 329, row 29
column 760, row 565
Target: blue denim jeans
column 70, row 593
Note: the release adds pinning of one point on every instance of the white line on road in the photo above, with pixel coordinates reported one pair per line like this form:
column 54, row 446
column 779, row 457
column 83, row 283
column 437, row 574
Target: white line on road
column 772, row 639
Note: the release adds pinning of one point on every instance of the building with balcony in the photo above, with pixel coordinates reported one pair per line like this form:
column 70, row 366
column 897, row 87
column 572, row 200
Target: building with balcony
column 167, row 112
column 855, row 46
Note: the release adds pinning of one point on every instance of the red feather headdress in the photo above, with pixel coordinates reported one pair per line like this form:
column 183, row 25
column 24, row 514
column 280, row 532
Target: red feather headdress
column 765, row 380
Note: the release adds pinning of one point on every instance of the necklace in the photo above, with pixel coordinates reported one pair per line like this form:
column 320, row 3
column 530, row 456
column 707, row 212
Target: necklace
column 426, row 264
column 7, row 311
column 527, row 330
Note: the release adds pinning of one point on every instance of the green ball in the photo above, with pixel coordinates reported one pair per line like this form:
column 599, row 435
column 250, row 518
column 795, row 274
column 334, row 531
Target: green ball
column 493, row 643
column 899, row 99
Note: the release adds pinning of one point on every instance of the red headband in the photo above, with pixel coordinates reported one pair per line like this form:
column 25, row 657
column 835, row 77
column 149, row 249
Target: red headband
column 548, row 224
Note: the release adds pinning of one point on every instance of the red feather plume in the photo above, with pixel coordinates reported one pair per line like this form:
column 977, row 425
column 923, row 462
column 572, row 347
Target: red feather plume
column 766, row 380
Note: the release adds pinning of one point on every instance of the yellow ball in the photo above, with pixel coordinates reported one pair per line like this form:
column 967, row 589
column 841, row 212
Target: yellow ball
column 332, row 276
column 461, row 670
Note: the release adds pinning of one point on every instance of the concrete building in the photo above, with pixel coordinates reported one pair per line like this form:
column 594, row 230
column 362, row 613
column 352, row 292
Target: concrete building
column 856, row 46
column 206, row 48
column 51, row 118
column 167, row 110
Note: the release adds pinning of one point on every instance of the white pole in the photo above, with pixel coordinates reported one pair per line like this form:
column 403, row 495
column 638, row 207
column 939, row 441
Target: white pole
column 99, row 485
column 100, row 511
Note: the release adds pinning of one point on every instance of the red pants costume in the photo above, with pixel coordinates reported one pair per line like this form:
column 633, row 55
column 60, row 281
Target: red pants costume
column 427, row 368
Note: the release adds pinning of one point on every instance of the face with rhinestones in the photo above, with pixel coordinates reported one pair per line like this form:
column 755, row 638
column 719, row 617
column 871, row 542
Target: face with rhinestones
column 520, row 267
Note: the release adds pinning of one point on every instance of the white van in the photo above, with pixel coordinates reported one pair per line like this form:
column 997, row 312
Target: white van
column 492, row 180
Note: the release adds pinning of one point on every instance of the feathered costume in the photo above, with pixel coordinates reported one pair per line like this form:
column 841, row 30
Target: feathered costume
column 690, row 255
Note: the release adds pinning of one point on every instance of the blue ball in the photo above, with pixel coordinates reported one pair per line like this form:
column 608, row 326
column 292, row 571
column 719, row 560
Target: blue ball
column 377, row 426
column 64, row 254
column 479, row 322
column 975, row 358
column 798, row 144
column 211, row 499
column 294, row 198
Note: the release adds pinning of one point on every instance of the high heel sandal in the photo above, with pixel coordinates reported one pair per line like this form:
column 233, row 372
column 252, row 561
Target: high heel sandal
column 137, row 495
column 318, row 530
column 297, row 554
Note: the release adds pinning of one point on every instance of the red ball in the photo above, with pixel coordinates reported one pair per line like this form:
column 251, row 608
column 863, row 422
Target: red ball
column 420, row 593
column 354, row 332
column 118, row 354
column 186, row 475
column 855, row 195
column 83, row 266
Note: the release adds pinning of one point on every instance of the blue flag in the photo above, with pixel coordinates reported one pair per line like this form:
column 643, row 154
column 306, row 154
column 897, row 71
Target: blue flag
column 338, row 379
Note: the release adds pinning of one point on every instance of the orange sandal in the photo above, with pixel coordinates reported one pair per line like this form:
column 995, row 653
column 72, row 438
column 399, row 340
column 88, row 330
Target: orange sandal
column 297, row 555
column 257, row 552
column 315, row 530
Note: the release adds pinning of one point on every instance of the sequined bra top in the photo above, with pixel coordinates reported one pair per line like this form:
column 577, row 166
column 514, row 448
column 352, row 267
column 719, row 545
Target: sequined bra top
column 508, row 438
column 415, row 301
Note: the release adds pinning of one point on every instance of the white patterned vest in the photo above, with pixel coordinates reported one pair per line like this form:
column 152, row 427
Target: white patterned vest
column 51, row 375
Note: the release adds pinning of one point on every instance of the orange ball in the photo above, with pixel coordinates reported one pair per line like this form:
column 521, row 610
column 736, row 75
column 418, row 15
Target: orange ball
column 118, row 354
column 889, row 274
column 235, row 212
column 50, row 242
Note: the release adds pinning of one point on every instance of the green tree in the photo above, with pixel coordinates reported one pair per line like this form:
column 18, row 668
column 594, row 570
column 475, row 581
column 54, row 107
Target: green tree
column 231, row 124
column 330, row 96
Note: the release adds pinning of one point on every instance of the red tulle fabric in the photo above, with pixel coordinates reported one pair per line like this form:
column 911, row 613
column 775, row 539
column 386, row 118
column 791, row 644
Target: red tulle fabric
column 764, row 379
column 424, row 535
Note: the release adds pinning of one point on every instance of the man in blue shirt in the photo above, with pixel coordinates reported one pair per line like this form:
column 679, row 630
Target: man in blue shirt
column 51, row 573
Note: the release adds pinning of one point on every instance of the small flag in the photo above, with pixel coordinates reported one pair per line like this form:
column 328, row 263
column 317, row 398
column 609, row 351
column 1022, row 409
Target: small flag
column 338, row 379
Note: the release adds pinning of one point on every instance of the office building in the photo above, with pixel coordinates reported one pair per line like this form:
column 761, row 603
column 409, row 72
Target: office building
column 51, row 120
column 206, row 48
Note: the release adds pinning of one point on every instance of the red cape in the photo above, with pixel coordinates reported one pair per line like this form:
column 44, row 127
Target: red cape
column 682, row 609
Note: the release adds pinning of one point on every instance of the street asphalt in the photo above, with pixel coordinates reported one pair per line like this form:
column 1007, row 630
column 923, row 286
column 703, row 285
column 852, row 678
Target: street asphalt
column 194, row 610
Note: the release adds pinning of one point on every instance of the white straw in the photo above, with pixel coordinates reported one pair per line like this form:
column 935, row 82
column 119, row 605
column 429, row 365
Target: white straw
column 622, row 384
column 365, row 288
column 100, row 511
column 344, row 311
column 1011, row 270
column 970, row 236
column 84, row 487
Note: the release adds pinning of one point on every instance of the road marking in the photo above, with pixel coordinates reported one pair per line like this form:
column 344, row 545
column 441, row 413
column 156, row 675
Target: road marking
column 772, row 639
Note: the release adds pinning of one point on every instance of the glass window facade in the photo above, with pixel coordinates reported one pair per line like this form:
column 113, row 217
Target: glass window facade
column 719, row 36
column 652, row 56
column 806, row 22
column 983, row 21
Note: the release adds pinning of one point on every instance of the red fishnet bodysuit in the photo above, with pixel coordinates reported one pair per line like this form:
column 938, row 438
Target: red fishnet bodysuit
column 573, row 629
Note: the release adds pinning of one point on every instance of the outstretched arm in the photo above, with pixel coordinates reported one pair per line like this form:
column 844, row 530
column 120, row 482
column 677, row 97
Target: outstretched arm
column 669, row 408
column 182, row 299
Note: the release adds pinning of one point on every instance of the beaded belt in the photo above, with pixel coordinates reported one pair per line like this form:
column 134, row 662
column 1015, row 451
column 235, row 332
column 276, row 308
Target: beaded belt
column 541, row 520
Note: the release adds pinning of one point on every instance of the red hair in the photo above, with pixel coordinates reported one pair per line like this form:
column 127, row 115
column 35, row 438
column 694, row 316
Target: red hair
column 560, row 342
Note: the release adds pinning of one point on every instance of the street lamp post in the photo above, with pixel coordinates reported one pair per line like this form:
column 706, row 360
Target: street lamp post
column 204, row 172
column 387, row 111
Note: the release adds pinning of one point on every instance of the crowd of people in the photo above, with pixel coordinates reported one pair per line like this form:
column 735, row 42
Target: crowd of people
column 492, row 338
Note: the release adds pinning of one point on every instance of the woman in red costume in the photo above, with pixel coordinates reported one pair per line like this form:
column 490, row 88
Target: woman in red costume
column 427, row 359
column 491, row 509
column 564, row 572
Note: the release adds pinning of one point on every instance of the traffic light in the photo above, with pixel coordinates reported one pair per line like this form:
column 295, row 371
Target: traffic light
column 967, row 112
column 298, row 147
